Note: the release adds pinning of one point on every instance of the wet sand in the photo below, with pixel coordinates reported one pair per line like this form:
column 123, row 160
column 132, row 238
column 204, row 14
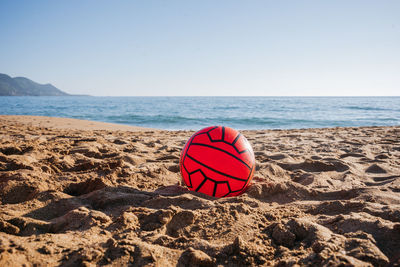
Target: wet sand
column 79, row 193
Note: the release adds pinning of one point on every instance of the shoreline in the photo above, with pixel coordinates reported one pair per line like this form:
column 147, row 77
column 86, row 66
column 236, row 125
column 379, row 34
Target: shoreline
column 69, row 123
column 79, row 124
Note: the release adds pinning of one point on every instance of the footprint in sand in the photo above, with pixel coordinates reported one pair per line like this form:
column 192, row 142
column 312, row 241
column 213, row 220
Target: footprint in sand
column 315, row 166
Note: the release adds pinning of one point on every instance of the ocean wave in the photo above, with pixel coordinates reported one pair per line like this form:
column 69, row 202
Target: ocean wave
column 149, row 119
column 367, row 108
column 178, row 121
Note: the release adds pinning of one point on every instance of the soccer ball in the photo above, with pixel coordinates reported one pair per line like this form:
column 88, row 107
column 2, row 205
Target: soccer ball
column 217, row 161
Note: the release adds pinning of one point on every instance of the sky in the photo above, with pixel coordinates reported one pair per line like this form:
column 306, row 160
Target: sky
column 224, row 48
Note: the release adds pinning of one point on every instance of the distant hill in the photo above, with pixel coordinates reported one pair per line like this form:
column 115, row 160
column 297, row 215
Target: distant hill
column 21, row 86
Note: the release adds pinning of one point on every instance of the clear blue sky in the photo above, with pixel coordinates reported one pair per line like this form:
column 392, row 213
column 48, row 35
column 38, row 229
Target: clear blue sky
column 204, row 47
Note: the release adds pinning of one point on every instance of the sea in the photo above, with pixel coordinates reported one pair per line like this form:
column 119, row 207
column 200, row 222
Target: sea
column 193, row 113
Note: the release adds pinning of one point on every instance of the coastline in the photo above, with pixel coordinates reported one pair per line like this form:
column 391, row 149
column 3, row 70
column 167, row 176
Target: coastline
column 76, row 192
column 90, row 125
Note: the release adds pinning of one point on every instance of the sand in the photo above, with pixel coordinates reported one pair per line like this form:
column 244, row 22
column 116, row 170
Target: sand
column 76, row 196
column 66, row 123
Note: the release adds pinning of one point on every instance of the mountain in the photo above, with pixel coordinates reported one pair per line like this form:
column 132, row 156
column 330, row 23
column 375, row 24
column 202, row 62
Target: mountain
column 21, row 86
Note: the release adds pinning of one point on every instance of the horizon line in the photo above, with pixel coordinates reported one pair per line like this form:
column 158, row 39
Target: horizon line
column 237, row 95
column 83, row 95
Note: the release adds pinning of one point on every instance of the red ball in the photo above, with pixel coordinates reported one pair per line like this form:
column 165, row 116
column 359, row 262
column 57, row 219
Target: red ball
column 217, row 161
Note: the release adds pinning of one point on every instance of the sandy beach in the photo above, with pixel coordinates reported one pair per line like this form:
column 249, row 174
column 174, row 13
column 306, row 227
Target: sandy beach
column 82, row 193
